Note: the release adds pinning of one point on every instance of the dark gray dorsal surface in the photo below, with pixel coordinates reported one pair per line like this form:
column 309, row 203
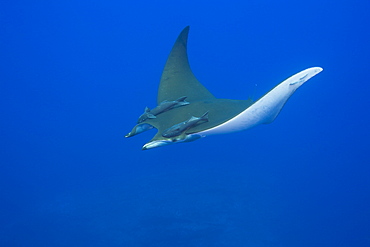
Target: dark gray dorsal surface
column 177, row 78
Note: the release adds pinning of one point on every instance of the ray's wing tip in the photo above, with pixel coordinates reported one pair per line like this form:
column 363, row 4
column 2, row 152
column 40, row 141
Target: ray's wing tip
column 306, row 74
column 185, row 32
column 317, row 69
column 314, row 70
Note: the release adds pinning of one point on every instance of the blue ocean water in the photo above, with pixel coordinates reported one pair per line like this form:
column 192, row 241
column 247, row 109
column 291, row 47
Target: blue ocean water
column 75, row 75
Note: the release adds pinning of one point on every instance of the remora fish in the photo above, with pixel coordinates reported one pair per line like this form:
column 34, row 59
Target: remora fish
column 179, row 128
column 162, row 107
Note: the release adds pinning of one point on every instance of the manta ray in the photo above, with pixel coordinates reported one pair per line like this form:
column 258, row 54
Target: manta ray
column 187, row 111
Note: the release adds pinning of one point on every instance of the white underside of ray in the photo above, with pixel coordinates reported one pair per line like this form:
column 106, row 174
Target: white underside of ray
column 266, row 109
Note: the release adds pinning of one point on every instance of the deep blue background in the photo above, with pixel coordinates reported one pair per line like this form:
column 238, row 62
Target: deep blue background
column 75, row 75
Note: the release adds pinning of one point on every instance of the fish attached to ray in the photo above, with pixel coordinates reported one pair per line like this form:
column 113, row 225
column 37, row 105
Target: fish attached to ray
column 162, row 107
column 175, row 120
column 179, row 128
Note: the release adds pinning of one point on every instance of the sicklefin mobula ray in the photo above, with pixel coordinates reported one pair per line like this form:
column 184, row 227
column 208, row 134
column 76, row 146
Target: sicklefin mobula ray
column 187, row 111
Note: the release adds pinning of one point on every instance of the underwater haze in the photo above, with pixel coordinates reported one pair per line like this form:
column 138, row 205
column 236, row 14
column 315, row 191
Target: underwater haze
column 76, row 75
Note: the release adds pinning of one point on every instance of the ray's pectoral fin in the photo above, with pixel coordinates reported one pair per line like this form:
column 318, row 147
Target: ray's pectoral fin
column 267, row 108
column 271, row 103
